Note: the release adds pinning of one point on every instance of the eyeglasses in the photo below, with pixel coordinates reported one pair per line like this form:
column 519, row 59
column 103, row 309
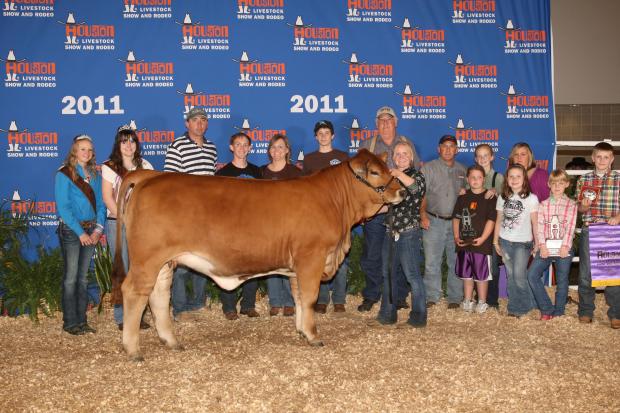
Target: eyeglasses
column 82, row 137
column 127, row 139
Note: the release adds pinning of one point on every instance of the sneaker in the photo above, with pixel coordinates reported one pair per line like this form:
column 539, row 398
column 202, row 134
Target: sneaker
column 274, row 311
column 546, row 317
column 468, row 306
column 288, row 311
column 366, row 305
column 481, row 307
column 615, row 323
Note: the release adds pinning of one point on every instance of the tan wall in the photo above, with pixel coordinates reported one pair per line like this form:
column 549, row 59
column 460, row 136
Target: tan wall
column 586, row 51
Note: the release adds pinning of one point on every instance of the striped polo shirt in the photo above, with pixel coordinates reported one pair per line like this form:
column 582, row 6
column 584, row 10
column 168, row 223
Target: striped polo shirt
column 184, row 155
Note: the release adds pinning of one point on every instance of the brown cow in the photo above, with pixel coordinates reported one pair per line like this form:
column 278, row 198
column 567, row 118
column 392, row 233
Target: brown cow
column 236, row 229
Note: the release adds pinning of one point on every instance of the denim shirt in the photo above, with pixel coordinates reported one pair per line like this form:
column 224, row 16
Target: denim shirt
column 73, row 206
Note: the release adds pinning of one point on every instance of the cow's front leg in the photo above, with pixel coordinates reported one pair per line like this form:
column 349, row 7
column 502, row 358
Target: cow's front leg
column 159, row 301
column 133, row 307
column 308, row 283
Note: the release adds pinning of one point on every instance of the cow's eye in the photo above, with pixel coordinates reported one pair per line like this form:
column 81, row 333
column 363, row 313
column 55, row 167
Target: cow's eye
column 374, row 173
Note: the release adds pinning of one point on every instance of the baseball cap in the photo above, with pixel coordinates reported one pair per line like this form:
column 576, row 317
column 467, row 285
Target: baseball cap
column 196, row 112
column 448, row 138
column 386, row 110
column 323, row 124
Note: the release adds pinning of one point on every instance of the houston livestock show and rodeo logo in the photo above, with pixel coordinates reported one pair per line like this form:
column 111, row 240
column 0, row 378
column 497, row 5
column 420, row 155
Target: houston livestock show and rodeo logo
column 473, row 11
column 198, row 36
column 523, row 41
column 422, row 107
column 369, row 11
column 308, row 38
column 217, row 105
column 22, row 143
column 28, row 8
column 40, row 213
column 520, row 105
column 147, row 9
column 254, row 73
column 421, row 40
column 468, row 75
column 260, row 9
column 80, row 36
column 368, row 75
column 146, row 74
column 21, row 73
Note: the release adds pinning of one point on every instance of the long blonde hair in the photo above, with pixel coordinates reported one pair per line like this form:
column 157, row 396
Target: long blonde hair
column 71, row 159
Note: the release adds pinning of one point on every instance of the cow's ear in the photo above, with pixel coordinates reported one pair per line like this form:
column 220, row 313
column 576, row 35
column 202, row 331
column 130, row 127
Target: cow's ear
column 383, row 156
column 358, row 165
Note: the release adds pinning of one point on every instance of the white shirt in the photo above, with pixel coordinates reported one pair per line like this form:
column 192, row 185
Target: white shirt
column 112, row 177
column 516, row 223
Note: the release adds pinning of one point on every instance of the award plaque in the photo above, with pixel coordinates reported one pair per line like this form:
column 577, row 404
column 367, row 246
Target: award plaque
column 467, row 233
column 589, row 192
column 553, row 246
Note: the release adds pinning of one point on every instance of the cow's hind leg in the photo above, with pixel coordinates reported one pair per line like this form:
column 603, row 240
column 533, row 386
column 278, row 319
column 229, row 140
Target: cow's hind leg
column 159, row 301
column 298, row 310
column 308, row 283
column 133, row 306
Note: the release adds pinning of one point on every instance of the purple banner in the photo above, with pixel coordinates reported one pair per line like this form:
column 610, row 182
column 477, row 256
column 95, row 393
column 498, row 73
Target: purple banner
column 605, row 254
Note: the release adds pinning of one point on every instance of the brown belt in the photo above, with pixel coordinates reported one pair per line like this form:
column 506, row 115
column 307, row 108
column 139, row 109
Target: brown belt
column 439, row 216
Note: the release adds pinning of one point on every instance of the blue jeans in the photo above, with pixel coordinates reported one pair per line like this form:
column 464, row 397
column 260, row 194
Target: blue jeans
column 337, row 285
column 279, row 291
column 371, row 263
column 437, row 239
column 585, row 289
column 535, row 278
column 77, row 260
column 110, row 230
column 248, row 297
column 406, row 253
column 180, row 300
column 516, row 256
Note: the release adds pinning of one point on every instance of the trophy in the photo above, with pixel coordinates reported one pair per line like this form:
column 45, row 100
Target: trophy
column 467, row 233
column 589, row 192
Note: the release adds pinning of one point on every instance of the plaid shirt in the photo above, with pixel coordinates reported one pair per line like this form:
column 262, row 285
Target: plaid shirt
column 607, row 204
column 565, row 209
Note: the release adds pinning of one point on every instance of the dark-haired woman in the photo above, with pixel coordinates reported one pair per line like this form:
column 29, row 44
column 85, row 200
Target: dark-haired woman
column 125, row 157
column 81, row 210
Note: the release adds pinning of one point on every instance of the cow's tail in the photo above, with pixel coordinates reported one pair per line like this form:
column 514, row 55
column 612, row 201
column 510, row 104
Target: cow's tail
column 118, row 267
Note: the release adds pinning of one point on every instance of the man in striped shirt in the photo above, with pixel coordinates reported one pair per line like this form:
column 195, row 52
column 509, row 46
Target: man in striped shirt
column 603, row 207
column 191, row 153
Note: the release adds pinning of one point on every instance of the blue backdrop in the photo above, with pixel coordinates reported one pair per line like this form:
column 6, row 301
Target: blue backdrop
column 480, row 70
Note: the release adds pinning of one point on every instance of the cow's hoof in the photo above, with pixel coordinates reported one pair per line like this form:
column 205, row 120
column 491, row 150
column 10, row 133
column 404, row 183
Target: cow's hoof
column 177, row 347
column 136, row 358
column 316, row 343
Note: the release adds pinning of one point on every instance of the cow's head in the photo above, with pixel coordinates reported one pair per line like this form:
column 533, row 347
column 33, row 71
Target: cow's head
column 372, row 171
